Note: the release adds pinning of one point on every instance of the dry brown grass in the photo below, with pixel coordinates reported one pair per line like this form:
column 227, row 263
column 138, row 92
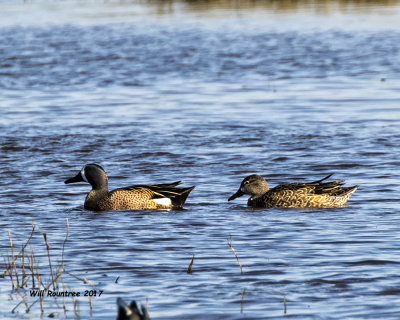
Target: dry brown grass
column 27, row 275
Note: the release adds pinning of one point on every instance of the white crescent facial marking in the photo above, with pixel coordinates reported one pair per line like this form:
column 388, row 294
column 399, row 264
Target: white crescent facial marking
column 163, row 201
column 83, row 175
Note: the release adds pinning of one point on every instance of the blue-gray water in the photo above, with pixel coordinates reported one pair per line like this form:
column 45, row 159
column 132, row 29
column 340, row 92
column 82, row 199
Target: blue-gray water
column 206, row 98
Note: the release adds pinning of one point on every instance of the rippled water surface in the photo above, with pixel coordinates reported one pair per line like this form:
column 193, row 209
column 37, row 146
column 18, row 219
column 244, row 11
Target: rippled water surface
column 206, row 95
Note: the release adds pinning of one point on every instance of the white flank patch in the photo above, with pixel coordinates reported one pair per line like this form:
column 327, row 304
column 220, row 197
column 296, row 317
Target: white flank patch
column 163, row 201
column 83, row 175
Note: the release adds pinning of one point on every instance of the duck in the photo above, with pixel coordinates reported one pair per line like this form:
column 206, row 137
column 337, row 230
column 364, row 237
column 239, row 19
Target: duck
column 131, row 312
column 136, row 197
column 317, row 194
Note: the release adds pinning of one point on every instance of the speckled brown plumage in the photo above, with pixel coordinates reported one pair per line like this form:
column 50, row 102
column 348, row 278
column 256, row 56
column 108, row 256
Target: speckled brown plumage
column 317, row 194
column 160, row 196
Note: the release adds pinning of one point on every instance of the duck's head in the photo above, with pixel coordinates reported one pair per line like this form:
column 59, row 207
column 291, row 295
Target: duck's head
column 93, row 174
column 132, row 311
column 253, row 185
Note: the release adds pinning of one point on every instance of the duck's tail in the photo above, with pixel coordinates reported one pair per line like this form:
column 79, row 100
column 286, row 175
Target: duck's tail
column 348, row 191
column 180, row 197
column 334, row 188
column 177, row 195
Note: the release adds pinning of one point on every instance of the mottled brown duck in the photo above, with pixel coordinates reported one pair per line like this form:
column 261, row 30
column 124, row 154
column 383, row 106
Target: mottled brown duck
column 317, row 194
column 137, row 197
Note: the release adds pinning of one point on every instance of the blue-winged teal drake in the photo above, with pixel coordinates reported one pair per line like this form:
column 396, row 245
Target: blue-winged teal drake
column 159, row 196
column 317, row 194
column 132, row 311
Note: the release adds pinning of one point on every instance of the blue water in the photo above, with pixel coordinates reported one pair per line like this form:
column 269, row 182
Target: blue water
column 206, row 96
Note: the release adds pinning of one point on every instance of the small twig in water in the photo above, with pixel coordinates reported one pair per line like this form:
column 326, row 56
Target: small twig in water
column 284, row 304
column 76, row 309
column 12, row 265
column 48, row 255
column 62, row 266
column 234, row 252
column 63, row 247
column 190, row 267
column 242, row 302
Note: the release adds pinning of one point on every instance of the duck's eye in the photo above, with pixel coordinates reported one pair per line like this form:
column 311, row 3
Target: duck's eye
column 246, row 182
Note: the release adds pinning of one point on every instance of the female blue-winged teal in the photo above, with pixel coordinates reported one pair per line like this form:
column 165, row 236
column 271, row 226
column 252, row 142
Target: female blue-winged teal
column 159, row 196
column 317, row 194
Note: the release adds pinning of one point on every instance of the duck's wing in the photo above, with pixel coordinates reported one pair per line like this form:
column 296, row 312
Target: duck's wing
column 333, row 188
column 155, row 186
column 308, row 194
column 316, row 187
column 323, row 179
column 177, row 195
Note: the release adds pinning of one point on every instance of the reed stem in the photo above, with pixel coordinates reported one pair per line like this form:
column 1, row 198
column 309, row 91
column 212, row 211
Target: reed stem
column 190, row 267
column 236, row 256
column 48, row 255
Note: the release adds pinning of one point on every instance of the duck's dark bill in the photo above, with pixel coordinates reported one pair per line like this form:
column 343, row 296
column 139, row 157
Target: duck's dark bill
column 238, row 194
column 77, row 178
